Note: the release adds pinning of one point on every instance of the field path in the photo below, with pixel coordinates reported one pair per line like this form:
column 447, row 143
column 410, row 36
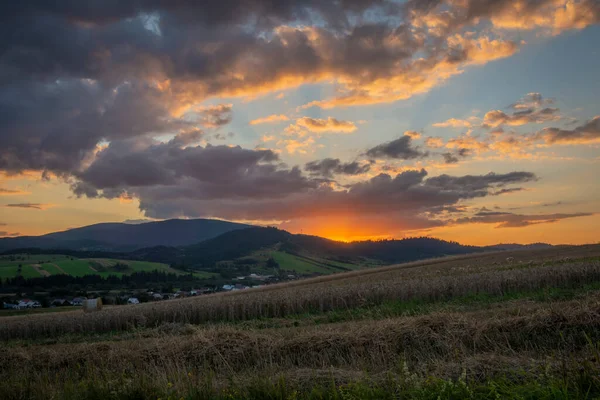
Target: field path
column 59, row 268
column 39, row 269
column 92, row 268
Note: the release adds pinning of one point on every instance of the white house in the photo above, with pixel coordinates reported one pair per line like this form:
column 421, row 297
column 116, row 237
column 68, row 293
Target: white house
column 133, row 300
column 26, row 303
column 228, row 287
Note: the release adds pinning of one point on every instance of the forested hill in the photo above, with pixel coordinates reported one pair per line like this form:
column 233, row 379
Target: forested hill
column 123, row 237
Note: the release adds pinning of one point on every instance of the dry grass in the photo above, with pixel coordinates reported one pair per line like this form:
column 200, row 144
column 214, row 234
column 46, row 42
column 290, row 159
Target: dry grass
column 447, row 337
column 539, row 343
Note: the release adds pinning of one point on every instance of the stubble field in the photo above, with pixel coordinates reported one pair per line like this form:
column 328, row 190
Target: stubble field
column 499, row 325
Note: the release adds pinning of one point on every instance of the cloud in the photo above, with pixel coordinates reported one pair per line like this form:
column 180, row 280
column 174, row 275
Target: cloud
column 11, row 192
column 293, row 146
column 554, row 16
column 400, row 148
column 215, row 116
column 269, row 119
column 531, row 100
column 36, row 206
column 9, row 234
column 329, row 167
column 583, row 134
column 381, row 196
column 434, row 142
column 497, row 118
column 453, row 158
column 330, row 124
column 135, row 167
column 413, row 134
column 467, row 142
column 510, row 220
column 453, row 123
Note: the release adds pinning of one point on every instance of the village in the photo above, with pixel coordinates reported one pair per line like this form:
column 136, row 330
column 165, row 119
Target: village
column 142, row 296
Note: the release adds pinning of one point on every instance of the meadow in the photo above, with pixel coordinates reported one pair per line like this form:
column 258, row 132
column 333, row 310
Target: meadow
column 39, row 265
column 496, row 325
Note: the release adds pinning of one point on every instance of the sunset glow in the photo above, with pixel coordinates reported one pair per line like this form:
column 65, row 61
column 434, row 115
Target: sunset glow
column 472, row 123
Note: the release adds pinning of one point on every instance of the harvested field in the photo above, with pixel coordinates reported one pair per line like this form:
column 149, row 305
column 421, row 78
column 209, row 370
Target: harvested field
column 469, row 327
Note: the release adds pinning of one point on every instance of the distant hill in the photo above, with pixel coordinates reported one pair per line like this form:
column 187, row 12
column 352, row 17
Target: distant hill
column 232, row 250
column 516, row 246
column 124, row 237
column 246, row 243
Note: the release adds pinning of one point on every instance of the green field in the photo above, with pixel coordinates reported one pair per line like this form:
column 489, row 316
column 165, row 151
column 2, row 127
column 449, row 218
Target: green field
column 303, row 265
column 62, row 264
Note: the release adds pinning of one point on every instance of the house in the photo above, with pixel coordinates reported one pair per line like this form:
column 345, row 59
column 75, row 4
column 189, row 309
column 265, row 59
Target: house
column 157, row 296
column 10, row 306
column 60, row 302
column 228, row 287
column 78, row 301
column 26, row 303
column 133, row 300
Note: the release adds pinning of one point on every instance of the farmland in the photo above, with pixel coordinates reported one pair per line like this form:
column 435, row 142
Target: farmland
column 39, row 265
column 498, row 325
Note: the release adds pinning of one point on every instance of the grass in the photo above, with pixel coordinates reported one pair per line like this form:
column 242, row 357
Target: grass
column 472, row 327
column 31, row 311
column 294, row 264
column 59, row 264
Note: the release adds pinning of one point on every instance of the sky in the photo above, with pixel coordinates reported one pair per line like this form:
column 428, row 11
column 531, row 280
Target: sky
column 476, row 121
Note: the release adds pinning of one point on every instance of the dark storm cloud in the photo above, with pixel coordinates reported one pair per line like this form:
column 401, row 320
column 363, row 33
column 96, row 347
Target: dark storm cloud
column 191, row 11
column 147, row 167
column 400, row 148
column 74, row 74
column 408, row 192
column 56, row 126
column 329, row 167
column 510, row 220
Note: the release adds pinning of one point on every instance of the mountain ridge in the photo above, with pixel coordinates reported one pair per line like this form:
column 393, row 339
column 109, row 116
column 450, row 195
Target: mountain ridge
column 123, row 237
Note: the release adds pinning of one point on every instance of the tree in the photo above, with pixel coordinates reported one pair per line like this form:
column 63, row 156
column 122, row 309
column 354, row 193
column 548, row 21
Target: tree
column 271, row 263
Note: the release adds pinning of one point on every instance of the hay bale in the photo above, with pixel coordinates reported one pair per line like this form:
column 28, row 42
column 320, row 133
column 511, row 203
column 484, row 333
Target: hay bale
column 91, row 305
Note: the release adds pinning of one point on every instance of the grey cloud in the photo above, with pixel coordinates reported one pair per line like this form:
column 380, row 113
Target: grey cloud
column 497, row 118
column 330, row 166
column 37, row 206
column 479, row 185
column 453, row 158
column 216, row 116
column 408, row 192
column 152, row 168
column 400, row 148
column 586, row 133
column 56, row 126
column 510, row 220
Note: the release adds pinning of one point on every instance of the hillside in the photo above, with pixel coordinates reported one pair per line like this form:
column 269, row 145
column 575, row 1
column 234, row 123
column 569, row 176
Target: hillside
column 122, row 237
column 254, row 250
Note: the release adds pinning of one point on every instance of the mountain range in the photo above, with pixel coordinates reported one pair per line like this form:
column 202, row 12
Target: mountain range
column 123, row 237
column 214, row 245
